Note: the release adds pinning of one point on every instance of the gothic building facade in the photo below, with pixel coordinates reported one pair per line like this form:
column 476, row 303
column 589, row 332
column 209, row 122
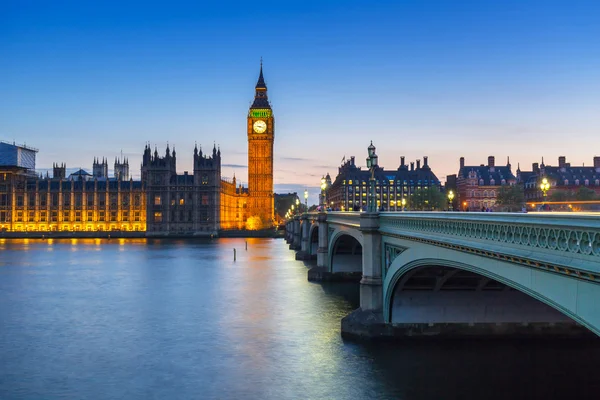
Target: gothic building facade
column 162, row 202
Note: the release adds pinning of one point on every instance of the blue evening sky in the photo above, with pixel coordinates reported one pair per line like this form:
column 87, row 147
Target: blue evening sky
column 442, row 79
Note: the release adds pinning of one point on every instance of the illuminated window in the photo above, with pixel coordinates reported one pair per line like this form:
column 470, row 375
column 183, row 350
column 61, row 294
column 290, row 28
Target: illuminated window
column 54, row 216
column 77, row 216
column 205, row 179
column 136, row 200
column 136, row 216
column 90, row 215
column 113, row 216
column 181, row 202
column 157, row 200
column 19, row 216
column 66, row 216
column 101, row 215
column 158, row 216
column 125, row 216
column 43, row 216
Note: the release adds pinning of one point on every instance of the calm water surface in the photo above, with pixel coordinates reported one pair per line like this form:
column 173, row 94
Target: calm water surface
column 143, row 319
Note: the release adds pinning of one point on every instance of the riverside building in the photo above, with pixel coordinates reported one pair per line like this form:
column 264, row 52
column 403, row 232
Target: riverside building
column 161, row 203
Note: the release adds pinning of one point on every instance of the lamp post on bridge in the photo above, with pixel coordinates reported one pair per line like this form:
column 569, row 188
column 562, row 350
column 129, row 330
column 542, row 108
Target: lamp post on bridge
column 371, row 164
column 297, row 205
column 306, row 199
column 403, row 202
column 323, row 187
column 544, row 186
column 450, row 198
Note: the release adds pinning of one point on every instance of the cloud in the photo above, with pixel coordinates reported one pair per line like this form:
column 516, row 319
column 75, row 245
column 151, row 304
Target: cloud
column 234, row 165
column 295, row 159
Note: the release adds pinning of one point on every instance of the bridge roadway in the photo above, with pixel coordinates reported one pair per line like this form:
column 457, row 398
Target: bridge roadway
column 459, row 274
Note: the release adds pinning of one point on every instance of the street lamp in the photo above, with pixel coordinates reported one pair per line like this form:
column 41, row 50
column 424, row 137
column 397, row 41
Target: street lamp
column 323, row 187
column 292, row 209
column 306, row 199
column 371, row 164
column 403, row 203
column 297, row 204
column 450, row 198
column 545, row 185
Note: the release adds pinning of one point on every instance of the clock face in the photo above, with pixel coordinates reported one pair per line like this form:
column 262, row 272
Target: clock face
column 260, row 126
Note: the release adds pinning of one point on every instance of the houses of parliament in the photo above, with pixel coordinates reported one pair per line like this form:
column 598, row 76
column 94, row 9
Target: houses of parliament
column 162, row 202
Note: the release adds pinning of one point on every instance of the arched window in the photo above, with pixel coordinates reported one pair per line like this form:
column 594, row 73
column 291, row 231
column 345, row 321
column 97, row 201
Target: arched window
column 493, row 193
column 577, row 182
column 566, row 182
column 485, row 193
column 503, row 182
column 597, row 182
column 481, row 182
column 586, row 182
column 492, row 182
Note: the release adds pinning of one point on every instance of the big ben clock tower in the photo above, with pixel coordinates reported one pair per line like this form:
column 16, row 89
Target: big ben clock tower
column 261, row 133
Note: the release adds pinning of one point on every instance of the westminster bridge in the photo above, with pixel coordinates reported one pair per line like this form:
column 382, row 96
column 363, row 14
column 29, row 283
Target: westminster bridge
column 457, row 274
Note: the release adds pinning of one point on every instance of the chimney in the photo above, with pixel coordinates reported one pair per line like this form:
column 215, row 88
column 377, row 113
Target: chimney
column 597, row 163
column 562, row 161
column 352, row 160
column 491, row 161
column 418, row 164
column 462, row 162
column 412, row 166
column 402, row 161
column 535, row 167
column 424, row 161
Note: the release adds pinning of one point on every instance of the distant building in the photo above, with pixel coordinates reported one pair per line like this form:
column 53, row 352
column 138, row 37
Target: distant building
column 350, row 188
column 564, row 178
column 478, row 185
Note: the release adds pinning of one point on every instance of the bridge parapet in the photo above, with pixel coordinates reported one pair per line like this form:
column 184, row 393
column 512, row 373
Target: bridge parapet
column 350, row 219
column 567, row 243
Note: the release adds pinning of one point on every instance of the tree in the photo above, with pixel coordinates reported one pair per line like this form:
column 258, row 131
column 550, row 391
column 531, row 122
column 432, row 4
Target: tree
column 427, row 199
column 585, row 194
column 510, row 198
column 561, row 195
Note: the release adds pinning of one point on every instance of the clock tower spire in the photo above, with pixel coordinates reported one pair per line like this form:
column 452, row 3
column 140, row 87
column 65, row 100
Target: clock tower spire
column 261, row 135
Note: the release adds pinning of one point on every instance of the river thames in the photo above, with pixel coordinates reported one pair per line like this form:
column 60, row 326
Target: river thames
column 169, row 319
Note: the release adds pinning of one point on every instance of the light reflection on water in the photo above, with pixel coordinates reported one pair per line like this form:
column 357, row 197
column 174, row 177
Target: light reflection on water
column 137, row 319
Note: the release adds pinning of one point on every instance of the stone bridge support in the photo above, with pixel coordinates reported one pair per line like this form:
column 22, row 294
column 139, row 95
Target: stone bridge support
column 322, row 269
column 368, row 321
column 295, row 245
column 304, row 253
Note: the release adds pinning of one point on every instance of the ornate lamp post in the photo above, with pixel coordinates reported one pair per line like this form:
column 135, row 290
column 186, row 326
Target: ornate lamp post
column 297, row 204
column 323, row 187
column 292, row 208
column 403, row 203
column 371, row 164
column 544, row 186
column 450, row 198
column 306, row 199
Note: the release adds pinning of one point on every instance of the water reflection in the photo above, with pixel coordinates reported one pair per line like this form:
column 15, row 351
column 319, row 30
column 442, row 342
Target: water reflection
column 137, row 319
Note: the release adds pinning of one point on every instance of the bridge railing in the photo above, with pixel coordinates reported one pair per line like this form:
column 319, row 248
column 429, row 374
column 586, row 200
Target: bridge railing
column 344, row 218
column 571, row 238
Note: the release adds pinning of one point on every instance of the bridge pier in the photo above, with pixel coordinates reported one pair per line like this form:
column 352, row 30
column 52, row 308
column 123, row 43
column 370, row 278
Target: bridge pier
column 321, row 271
column 367, row 321
column 295, row 245
column 304, row 253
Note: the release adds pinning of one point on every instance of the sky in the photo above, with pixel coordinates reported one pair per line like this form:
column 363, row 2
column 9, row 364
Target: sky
column 442, row 79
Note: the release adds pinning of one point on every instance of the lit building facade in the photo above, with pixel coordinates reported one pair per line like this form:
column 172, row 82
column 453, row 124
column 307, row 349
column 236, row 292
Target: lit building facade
column 478, row 185
column 261, row 135
column 564, row 178
column 29, row 203
column 350, row 189
column 162, row 203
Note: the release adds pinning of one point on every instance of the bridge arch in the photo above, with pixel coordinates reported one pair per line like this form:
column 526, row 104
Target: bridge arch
column 313, row 238
column 547, row 288
column 345, row 252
